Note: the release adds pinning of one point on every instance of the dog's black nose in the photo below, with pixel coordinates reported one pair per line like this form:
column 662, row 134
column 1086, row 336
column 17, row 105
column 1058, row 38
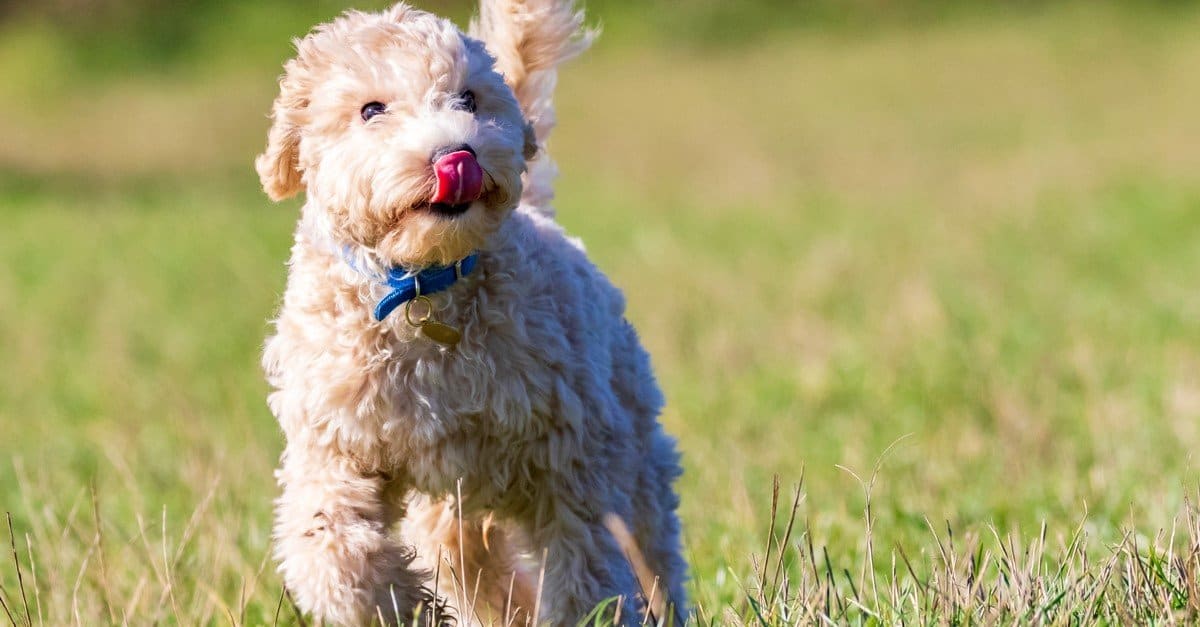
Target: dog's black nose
column 445, row 150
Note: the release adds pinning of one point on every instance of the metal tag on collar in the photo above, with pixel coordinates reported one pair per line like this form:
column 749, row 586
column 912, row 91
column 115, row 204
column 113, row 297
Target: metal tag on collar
column 443, row 334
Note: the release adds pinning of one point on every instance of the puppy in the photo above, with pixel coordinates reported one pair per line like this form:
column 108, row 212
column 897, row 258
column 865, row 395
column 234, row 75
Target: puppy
column 463, row 400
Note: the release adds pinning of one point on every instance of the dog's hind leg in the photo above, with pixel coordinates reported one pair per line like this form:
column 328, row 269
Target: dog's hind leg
column 651, row 517
column 656, row 526
column 331, row 537
column 586, row 573
column 478, row 564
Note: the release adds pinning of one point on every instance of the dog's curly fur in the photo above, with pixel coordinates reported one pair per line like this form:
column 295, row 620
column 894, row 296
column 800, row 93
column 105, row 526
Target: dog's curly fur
column 481, row 461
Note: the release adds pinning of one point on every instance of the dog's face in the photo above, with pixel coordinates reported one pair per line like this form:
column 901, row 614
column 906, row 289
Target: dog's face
column 401, row 133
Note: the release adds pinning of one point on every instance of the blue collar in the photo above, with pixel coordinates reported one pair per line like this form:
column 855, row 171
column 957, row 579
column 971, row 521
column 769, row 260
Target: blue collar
column 406, row 285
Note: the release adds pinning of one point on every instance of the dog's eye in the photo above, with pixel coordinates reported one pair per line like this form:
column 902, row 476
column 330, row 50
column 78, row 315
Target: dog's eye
column 372, row 109
column 465, row 102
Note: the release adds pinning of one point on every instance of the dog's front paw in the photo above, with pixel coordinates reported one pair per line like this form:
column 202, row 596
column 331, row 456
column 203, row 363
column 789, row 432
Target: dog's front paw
column 425, row 609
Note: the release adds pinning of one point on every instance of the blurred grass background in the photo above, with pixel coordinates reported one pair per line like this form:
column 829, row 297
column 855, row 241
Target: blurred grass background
column 970, row 227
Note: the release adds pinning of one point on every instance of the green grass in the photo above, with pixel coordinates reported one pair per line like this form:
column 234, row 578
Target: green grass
column 973, row 242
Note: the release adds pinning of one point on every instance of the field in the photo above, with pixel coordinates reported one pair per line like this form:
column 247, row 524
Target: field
column 941, row 271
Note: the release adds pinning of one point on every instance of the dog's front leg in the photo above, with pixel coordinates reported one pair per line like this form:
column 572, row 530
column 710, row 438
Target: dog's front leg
column 331, row 538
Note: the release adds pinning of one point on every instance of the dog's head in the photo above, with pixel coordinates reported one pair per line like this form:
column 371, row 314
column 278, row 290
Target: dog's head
column 402, row 134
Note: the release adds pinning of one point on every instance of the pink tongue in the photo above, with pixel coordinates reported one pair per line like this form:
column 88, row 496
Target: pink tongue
column 459, row 178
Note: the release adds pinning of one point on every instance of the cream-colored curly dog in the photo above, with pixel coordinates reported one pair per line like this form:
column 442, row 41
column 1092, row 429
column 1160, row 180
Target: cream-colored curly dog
column 464, row 403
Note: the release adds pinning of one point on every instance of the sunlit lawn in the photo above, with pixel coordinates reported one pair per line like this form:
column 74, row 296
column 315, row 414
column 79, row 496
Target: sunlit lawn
column 978, row 241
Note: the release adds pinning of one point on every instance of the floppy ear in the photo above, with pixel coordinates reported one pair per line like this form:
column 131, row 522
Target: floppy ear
column 279, row 166
column 530, row 39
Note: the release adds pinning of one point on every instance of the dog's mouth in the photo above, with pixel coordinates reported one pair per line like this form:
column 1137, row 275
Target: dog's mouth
column 459, row 181
column 449, row 210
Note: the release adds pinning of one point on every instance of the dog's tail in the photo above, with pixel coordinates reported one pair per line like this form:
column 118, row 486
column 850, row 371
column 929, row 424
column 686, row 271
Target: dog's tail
column 530, row 39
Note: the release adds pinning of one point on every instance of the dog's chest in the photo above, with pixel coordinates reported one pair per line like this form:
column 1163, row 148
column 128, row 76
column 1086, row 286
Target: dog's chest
column 479, row 412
